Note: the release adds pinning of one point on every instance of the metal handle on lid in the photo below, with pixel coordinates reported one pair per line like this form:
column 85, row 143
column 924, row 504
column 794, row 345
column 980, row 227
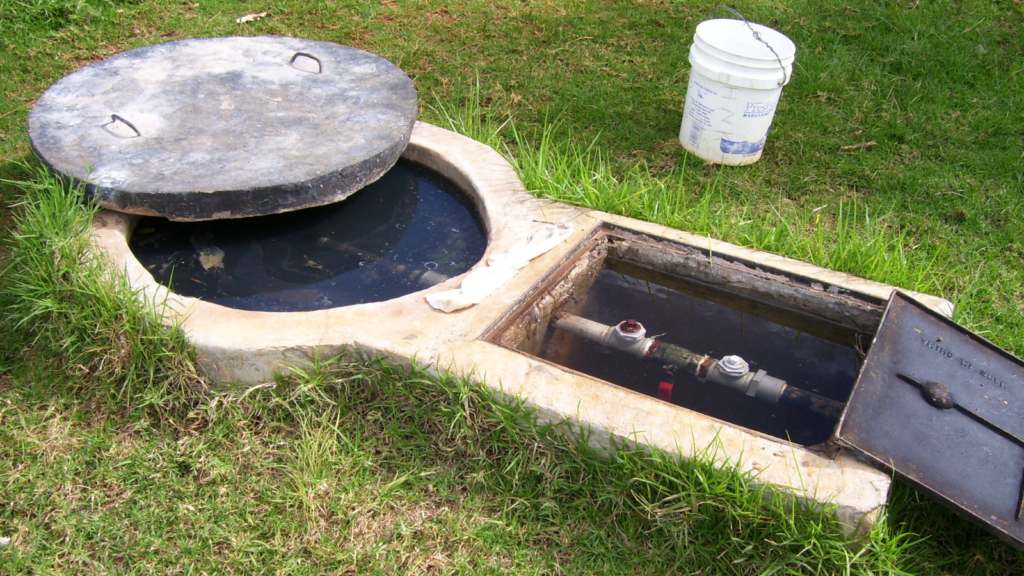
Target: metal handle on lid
column 320, row 65
column 116, row 118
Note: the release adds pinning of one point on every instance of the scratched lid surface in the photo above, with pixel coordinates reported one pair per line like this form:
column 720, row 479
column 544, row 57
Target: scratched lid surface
column 944, row 408
column 226, row 127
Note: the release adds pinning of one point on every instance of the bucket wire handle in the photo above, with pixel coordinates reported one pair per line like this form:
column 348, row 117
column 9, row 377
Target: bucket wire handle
column 757, row 36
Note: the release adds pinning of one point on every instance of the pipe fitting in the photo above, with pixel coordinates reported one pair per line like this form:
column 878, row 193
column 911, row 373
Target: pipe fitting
column 733, row 366
column 630, row 339
column 766, row 388
column 730, row 378
column 733, row 372
column 630, row 331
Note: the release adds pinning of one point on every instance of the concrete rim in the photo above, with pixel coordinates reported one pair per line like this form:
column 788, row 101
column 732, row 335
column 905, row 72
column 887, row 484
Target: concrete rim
column 243, row 346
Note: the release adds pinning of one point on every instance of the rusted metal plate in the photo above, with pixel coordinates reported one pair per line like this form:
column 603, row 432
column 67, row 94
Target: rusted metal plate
column 944, row 408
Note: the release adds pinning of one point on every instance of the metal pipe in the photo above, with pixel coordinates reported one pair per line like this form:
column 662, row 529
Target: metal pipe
column 731, row 371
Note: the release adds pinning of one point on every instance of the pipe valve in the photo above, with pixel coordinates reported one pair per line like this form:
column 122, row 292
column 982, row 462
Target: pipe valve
column 733, row 366
column 731, row 371
column 630, row 331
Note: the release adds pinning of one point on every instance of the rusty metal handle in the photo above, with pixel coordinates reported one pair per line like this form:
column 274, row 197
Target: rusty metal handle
column 320, row 65
column 116, row 118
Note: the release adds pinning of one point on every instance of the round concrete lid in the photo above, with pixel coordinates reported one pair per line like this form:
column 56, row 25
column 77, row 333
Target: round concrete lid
column 226, row 127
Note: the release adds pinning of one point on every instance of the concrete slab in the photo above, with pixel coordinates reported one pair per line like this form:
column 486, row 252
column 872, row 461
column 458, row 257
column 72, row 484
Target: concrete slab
column 241, row 346
column 232, row 127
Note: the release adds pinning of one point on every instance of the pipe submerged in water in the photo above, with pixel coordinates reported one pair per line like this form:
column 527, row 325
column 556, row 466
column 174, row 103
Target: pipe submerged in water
column 731, row 371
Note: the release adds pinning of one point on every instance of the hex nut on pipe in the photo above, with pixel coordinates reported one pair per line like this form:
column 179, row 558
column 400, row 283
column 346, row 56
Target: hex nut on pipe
column 733, row 366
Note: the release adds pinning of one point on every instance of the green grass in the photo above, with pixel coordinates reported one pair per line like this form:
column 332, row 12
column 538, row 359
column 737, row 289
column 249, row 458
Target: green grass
column 368, row 469
column 850, row 238
column 113, row 463
column 64, row 309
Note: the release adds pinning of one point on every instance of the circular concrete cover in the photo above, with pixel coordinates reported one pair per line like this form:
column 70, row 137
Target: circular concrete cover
column 226, row 127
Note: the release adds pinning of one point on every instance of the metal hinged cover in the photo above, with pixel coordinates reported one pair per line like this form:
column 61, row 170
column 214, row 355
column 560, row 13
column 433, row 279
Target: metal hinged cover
column 226, row 127
column 944, row 408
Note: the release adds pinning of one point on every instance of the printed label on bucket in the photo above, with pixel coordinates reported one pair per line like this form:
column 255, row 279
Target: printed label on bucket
column 702, row 90
column 759, row 109
column 696, row 131
column 743, row 147
column 699, row 113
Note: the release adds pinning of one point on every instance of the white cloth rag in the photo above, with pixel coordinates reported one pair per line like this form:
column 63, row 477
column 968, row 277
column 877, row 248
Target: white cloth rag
column 483, row 281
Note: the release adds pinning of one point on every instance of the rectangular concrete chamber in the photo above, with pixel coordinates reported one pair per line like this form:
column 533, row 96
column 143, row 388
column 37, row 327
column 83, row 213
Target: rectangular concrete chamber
column 810, row 335
column 713, row 298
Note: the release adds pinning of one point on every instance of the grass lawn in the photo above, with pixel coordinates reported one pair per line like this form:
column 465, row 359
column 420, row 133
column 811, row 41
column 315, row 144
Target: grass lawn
column 116, row 459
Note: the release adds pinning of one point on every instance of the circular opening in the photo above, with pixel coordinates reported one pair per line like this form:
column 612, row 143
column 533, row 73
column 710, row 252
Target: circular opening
column 411, row 229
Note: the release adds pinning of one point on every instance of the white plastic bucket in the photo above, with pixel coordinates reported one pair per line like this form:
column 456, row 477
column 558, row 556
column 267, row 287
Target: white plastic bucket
column 735, row 85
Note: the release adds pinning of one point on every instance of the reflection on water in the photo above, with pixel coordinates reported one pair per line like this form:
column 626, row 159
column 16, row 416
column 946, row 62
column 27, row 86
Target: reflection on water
column 405, row 232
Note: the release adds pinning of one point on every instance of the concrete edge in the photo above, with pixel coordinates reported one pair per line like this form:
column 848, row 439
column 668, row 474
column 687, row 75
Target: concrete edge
column 235, row 345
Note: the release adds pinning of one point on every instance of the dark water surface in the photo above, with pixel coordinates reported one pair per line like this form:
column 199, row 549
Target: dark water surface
column 803, row 360
column 401, row 234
